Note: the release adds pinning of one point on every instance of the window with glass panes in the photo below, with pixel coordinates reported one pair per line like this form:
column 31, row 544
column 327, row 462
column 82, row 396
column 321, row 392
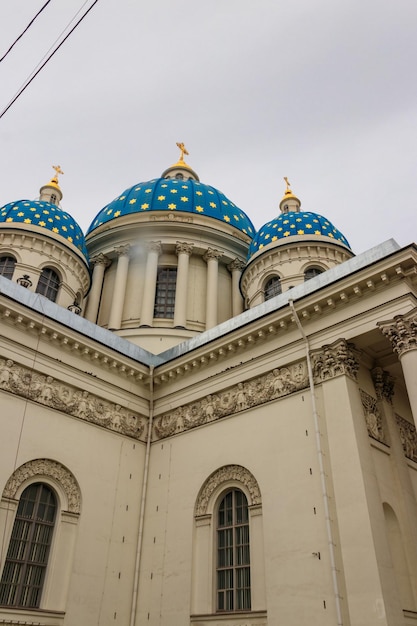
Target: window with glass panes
column 233, row 562
column 7, row 265
column 272, row 288
column 312, row 272
column 166, row 283
column 48, row 284
column 27, row 557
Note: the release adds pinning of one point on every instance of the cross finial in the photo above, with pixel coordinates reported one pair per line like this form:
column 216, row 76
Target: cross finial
column 58, row 170
column 287, row 182
column 183, row 150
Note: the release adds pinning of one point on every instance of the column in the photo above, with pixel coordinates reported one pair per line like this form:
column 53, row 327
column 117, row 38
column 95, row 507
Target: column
column 212, row 259
column 149, row 289
column 183, row 251
column 235, row 268
column 100, row 263
column 402, row 333
column 115, row 318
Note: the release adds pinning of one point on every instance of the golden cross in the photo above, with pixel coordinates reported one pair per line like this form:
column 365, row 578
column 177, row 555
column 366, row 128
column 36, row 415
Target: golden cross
column 58, row 170
column 183, row 150
column 287, row 183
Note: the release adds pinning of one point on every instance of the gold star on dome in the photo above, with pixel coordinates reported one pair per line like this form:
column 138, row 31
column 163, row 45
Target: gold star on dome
column 164, row 186
column 309, row 226
column 160, row 198
column 199, row 193
column 27, row 221
column 287, row 233
column 274, row 238
column 20, row 214
column 9, row 219
column 174, row 190
column 224, row 202
column 317, row 232
column 300, row 232
column 132, row 201
column 70, row 239
column 236, row 217
column 267, row 236
column 184, row 199
column 42, row 223
column 213, row 205
column 199, row 209
column 64, row 228
column 226, row 218
column 122, row 197
column 55, row 230
column 117, row 213
column 148, row 190
column 144, row 206
column 172, row 206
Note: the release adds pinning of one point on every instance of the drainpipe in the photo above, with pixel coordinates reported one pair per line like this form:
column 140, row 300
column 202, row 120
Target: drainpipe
column 319, row 449
column 143, row 502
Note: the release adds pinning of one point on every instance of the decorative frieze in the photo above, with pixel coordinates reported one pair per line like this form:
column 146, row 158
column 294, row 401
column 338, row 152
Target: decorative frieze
column 58, row 395
column 279, row 382
column 401, row 331
column 408, row 437
column 339, row 358
column 373, row 417
column 383, row 383
column 227, row 474
column 52, row 469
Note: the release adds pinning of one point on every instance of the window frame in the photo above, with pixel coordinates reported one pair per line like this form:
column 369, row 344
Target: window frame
column 165, row 291
column 313, row 268
column 232, row 546
column 271, row 284
column 23, row 575
column 49, row 284
column 8, row 274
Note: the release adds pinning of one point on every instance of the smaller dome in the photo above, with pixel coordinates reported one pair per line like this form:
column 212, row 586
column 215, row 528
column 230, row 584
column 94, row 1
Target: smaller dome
column 295, row 224
column 47, row 216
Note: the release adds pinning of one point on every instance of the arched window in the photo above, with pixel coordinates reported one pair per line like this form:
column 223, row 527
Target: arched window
column 233, row 558
column 7, row 265
column 48, row 284
column 311, row 272
column 166, row 283
column 272, row 287
column 27, row 557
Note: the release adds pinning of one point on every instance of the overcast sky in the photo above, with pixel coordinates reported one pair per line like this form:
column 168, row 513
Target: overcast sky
column 321, row 91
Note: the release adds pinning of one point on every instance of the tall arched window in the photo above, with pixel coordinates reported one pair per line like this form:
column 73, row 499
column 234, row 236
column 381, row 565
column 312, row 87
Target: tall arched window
column 311, row 272
column 233, row 559
column 7, row 265
column 48, row 284
column 166, row 283
column 27, row 557
column 272, row 287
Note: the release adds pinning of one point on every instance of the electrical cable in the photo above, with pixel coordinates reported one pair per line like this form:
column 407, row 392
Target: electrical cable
column 25, row 30
column 34, row 74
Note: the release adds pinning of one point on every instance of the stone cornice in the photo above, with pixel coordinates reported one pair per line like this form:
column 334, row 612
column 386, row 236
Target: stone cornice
column 29, row 321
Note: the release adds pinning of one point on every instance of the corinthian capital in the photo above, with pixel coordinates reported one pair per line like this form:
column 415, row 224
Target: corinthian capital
column 383, row 383
column 154, row 246
column 100, row 259
column 122, row 250
column 401, row 331
column 212, row 254
column 184, row 247
column 236, row 265
column 334, row 360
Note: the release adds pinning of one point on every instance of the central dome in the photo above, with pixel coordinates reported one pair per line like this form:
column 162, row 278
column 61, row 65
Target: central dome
column 174, row 195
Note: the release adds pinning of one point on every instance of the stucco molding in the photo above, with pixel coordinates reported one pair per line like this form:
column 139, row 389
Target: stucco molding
column 408, row 436
column 58, row 395
column 383, row 383
column 275, row 384
column 373, row 417
column 401, row 332
column 224, row 475
column 46, row 468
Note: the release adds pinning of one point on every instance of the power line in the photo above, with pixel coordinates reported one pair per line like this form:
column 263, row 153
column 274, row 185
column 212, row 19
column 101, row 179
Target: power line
column 24, row 31
column 48, row 58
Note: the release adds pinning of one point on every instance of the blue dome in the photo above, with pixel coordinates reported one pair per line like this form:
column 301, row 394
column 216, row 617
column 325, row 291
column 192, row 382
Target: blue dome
column 295, row 224
column 45, row 215
column 185, row 196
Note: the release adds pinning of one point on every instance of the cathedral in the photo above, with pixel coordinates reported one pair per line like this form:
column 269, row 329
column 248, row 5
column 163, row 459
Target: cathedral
column 202, row 423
